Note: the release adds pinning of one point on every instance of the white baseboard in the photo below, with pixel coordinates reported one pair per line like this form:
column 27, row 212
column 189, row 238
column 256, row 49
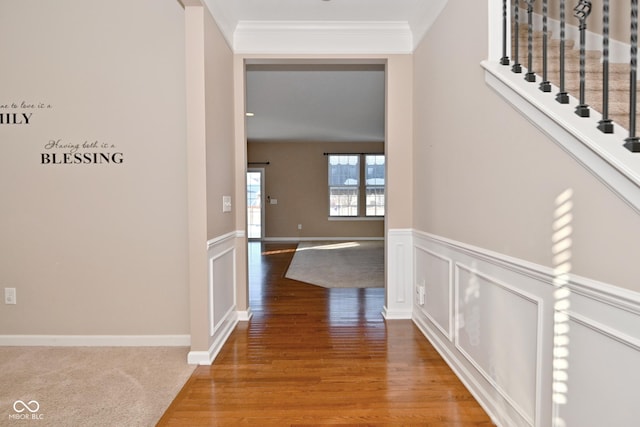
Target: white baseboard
column 222, row 333
column 96, row 340
column 245, row 315
column 396, row 314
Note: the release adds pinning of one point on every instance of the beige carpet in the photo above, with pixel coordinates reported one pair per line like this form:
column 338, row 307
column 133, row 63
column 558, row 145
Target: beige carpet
column 89, row 386
column 352, row 264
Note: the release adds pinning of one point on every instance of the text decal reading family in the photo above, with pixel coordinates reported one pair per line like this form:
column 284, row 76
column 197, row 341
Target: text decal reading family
column 21, row 117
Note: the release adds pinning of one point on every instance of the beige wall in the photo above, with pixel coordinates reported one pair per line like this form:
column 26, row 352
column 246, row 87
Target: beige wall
column 211, row 157
column 399, row 148
column 297, row 178
column 94, row 249
column 484, row 175
column 219, row 95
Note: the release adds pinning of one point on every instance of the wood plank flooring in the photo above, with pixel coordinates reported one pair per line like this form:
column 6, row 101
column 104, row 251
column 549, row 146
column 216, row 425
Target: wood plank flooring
column 314, row 357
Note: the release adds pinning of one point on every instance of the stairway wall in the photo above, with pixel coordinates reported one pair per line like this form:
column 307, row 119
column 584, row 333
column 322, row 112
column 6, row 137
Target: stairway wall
column 536, row 348
column 487, row 177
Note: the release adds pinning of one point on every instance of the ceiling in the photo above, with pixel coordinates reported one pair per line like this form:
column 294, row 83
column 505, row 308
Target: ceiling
column 314, row 101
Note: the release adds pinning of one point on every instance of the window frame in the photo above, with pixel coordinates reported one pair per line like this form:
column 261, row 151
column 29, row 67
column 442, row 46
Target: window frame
column 360, row 189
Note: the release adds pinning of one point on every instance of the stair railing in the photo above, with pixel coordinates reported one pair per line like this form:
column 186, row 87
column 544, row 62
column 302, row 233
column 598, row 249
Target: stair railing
column 562, row 97
column 516, row 68
column 505, row 58
column 531, row 75
column 545, row 86
column 606, row 124
column 582, row 12
column 632, row 143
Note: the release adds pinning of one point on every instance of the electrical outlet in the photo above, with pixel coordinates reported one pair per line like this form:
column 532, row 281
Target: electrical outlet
column 421, row 292
column 226, row 203
column 299, row 226
column 10, row 296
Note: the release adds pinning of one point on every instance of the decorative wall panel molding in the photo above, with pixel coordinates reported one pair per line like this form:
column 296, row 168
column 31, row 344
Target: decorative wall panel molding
column 435, row 300
column 533, row 354
column 222, row 314
column 399, row 278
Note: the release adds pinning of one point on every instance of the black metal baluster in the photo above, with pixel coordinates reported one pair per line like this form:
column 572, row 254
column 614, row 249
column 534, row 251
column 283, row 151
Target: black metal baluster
column 530, row 76
column 505, row 59
column 606, row 124
column 562, row 96
column 516, row 68
column 545, row 86
column 633, row 142
column 582, row 11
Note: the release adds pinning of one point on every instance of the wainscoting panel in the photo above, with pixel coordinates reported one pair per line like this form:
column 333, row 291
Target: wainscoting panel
column 221, row 287
column 531, row 353
column 597, row 366
column 223, row 316
column 438, row 289
column 595, row 390
column 487, row 311
column 399, row 279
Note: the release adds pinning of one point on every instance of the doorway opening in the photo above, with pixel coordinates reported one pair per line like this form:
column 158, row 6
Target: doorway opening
column 298, row 111
column 255, row 204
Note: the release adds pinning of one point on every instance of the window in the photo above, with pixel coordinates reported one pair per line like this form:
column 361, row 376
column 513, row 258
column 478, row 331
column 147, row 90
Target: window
column 354, row 183
column 374, row 184
column 344, row 185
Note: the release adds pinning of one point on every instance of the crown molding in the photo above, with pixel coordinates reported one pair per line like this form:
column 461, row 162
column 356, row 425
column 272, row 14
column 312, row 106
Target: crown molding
column 323, row 37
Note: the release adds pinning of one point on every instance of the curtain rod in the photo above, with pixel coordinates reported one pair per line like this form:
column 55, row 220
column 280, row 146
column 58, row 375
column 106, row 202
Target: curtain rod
column 345, row 154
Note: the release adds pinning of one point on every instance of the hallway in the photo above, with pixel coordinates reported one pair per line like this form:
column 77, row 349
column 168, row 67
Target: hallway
column 312, row 356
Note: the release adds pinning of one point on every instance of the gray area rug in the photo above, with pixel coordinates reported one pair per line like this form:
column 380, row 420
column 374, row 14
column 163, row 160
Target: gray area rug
column 350, row 264
column 89, row 386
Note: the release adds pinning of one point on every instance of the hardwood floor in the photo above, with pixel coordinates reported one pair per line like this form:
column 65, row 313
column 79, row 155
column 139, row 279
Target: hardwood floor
column 314, row 357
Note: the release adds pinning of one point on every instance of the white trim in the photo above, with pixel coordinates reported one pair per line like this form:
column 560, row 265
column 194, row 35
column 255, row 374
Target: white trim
column 96, row 340
column 212, row 286
column 609, row 311
column 539, row 317
column 463, row 374
column 391, row 314
column 593, row 289
column 605, row 331
column 322, row 37
column 245, row 315
column 603, row 155
column 450, row 283
column 399, row 274
column 224, row 238
column 207, row 357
